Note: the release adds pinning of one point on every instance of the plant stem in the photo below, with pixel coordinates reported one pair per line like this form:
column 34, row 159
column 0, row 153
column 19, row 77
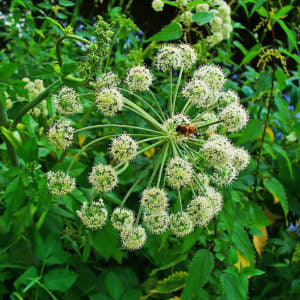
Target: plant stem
column 185, row 106
column 179, row 198
column 111, row 47
column 151, row 146
column 85, row 147
column 10, row 149
column 156, row 101
column 162, row 164
column 41, row 96
column 176, row 90
column 208, row 124
column 204, row 112
column 149, row 139
column 171, row 91
column 59, row 43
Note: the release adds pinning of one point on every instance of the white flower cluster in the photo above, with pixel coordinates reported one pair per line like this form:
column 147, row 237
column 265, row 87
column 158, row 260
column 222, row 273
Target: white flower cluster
column 67, row 102
column 192, row 154
column 220, row 24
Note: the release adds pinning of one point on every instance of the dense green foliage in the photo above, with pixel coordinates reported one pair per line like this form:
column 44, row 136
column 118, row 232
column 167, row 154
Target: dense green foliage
column 251, row 250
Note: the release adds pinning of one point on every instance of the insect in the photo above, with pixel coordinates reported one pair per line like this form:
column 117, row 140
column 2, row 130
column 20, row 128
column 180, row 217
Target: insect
column 187, row 129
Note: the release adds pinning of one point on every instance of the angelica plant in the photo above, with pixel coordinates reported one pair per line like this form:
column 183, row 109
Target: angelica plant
column 192, row 151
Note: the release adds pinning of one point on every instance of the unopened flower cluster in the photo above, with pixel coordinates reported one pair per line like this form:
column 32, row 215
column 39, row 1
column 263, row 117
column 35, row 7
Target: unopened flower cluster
column 189, row 136
column 220, row 24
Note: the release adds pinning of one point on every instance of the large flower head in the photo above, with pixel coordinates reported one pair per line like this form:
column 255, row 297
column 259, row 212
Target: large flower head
column 167, row 58
column 67, row 101
column 109, row 101
column 181, row 224
column 138, row 78
column 103, row 178
column 158, row 222
column 93, row 215
column 133, row 237
column 60, row 134
column 154, row 200
column 121, row 217
column 108, row 80
column 179, row 172
column 59, row 183
column 240, row 158
column 188, row 56
column 123, row 148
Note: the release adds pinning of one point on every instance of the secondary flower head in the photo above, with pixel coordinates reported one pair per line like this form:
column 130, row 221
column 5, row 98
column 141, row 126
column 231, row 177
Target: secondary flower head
column 123, row 148
column 186, row 18
column 139, row 78
column 226, row 30
column 229, row 97
column 109, row 101
column 168, row 57
column 133, row 237
column 225, row 175
column 108, row 80
column 121, row 217
column 154, row 200
column 234, row 116
column 170, row 125
column 60, row 134
column 217, row 149
column 240, row 158
column 179, row 172
column 213, row 76
column 60, row 183
column 215, row 197
column 188, row 56
column 200, row 182
column 199, row 93
column 216, row 23
column 203, row 7
column 201, row 210
column 215, row 38
column 66, row 101
column 158, row 5
column 181, row 224
column 103, row 178
column 93, row 215
column 182, row 2
column 158, row 222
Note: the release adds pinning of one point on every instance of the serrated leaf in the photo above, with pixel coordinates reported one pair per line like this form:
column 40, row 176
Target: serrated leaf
column 252, row 131
column 15, row 194
column 199, row 270
column 281, row 151
column 260, row 241
column 59, row 280
column 171, row 32
column 234, row 286
column 275, row 187
column 202, row 17
column 242, row 262
column 114, row 285
column 242, row 242
column 172, row 283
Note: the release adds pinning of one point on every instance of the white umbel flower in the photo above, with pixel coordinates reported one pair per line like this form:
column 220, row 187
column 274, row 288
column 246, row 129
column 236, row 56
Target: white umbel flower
column 240, row 158
column 229, row 97
column 170, row 125
column 188, row 56
column 60, row 134
column 186, row 18
column 213, row 76
column 133, row 237
column 225, row 175
column 121, row 217
column 158, row 222
column 123, row 148
column 67, row 101
column 235, row 117
column 103, row 178
column 181, row 224
column 93, row 215
column 59, row 183
column 138, row 78
column 179, row 172
column 199, row 93
column 154, row 200
column 109, row 101
column 168, row 57
column 158, row 5
column 108, row 80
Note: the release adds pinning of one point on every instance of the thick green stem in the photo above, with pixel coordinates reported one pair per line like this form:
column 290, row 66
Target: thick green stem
column 208, row 124
column 171, row 97
column 41, row 96
column 162, row 164
column 155, row 100
column 10, row 149
column 179, row 199
column 185, row 106
column 204, row 112
column 151, row 146
column 150, row 139
column 59, row 43
column 117, row 125
column 86, row 146
column 176, row 90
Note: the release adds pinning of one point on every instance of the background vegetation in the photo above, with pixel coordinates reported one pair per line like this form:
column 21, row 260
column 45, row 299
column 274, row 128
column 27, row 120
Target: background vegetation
column 251, row 250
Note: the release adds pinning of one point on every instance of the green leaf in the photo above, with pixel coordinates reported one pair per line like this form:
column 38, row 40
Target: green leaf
column 202, row 17
column 289, row 33
column 171, row 32
column 66, row 3
column 253, row 52
column 68, row 68
column 252, row 131
column 257, row 5
column 194, row 3
column 28, row 151
column 31, row 272
column 275, row 187
column 7, row 69
column 59, row 280
column 242, row 242
column 15, row 194
column 235, row 286
column 283, row 11
column 114, row 285
column 16, row 143
column 199, row 270
column 172, row 3
column 172, row 283
column 281, row 151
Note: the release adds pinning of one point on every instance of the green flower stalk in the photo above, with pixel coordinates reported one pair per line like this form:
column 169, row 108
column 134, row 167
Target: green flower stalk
column 192, row 151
